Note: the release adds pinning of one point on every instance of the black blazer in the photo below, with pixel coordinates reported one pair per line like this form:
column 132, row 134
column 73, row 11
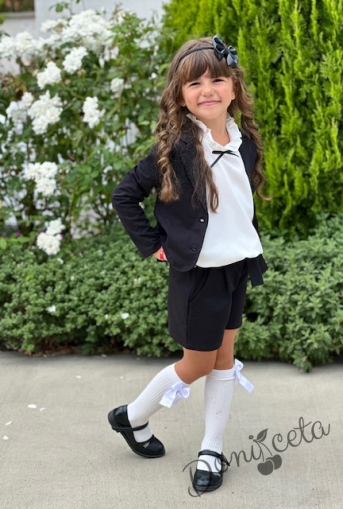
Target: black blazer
column 180, row 227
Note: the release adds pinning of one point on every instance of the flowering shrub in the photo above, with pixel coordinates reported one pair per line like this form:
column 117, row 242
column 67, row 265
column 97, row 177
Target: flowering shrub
column 75, row 119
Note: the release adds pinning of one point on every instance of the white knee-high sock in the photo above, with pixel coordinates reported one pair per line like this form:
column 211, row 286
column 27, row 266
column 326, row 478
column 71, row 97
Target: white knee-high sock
column 165, row 389
column 219, row 389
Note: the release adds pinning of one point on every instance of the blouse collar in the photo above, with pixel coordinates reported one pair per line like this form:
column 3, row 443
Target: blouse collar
column 232, row 129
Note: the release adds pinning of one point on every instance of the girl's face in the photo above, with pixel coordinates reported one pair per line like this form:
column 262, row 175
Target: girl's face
column 208, row 99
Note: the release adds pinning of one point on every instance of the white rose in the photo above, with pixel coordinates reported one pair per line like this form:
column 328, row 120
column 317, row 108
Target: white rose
column 46, row 186
column 117, row 85
column 55, row 227
column 40, row 125
column 53, row 115
column 27, row 100
column 15, row 112
column 32, row 170
column 25, row 44
column 48, row 243
column 7, row 47
column 49, row 170
column 51, row 75
column 73, row 61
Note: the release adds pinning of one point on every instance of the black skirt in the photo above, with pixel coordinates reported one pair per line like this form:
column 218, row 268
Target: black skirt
column 203, row 302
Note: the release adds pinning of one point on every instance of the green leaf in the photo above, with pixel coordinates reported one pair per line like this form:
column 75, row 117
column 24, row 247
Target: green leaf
column 3, row 243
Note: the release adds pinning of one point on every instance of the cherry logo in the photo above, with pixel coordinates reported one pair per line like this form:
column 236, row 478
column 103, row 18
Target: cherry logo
column 272, row 462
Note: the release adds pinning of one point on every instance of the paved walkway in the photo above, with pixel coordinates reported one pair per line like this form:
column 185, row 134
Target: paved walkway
column 57, row 450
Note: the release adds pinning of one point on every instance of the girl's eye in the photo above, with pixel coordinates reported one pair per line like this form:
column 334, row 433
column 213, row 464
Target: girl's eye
column 194, row 83
column 218, row 79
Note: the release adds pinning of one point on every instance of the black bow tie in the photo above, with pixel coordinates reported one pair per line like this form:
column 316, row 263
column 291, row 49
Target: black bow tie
column 221, row 153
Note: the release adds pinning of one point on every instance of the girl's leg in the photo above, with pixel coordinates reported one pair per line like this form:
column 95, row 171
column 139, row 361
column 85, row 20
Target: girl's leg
column 192, row 366
column 219, row 388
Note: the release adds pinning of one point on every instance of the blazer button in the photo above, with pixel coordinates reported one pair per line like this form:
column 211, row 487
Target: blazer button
column 193, row 248
column 202, row 220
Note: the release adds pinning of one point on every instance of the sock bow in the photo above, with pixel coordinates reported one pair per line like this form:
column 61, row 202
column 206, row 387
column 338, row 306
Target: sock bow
column 178, row 391
column 244, row 382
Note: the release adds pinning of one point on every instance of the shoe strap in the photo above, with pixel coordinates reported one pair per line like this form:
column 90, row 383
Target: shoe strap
column 128, row 428
column 221, row 456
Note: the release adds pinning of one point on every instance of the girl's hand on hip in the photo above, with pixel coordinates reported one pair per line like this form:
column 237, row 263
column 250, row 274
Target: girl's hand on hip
column 160, row 255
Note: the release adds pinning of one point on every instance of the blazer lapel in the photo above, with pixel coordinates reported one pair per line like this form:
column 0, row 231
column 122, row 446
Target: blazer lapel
column 248, row 156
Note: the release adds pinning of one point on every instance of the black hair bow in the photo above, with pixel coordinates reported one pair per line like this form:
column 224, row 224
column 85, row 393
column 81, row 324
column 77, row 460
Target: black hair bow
column 221, row 50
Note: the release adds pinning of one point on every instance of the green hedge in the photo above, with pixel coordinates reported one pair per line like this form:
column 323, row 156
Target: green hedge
column 296, row 316
column 292, row 54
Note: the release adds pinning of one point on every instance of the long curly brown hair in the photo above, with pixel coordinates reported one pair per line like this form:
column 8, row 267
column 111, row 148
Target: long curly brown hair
column 173, row 120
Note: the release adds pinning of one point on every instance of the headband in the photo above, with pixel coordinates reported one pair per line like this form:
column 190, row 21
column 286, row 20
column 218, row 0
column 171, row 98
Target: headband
column 221, row 50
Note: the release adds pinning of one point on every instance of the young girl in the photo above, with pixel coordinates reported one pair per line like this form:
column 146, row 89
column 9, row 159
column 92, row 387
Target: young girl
column 205, row 170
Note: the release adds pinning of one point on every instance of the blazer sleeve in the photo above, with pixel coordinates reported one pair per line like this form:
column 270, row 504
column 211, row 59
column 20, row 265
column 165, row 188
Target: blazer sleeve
column 126, row 198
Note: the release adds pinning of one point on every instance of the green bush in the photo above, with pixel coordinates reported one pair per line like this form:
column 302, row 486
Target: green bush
column 92, row 285
column 292, row 55
column 296, row 316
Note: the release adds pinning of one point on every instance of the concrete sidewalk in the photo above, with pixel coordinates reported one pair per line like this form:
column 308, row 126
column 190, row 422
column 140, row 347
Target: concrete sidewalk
column 62, row 454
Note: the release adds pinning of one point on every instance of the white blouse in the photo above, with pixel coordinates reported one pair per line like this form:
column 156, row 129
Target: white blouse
column 230, row 235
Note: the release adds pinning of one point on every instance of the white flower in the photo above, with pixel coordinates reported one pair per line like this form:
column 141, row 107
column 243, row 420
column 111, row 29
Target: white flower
column 22, row 147
column 125, row 315
column 117, row 85
column 32, row 170
column 110, row 53
column 48, row 243
column 92, row 119
column 7, row 47
column 40, row 125
column 2, row 119
column 88, row 29
column 48, row 170
column 73, row 61
column 15, row 112
column 92, row 115
column 51, row 309
column 55, row 227
column 50, row 25
column 25, row 44
column 50, row 75
column 27, row 100
column 53, row 115
column 44, row 102
column 49, row 44
column 46, row 186
column 46, row 110
column 90, row 104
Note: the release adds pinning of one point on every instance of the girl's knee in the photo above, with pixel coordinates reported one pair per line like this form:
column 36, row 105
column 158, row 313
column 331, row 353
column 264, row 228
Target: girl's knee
column 191, row 367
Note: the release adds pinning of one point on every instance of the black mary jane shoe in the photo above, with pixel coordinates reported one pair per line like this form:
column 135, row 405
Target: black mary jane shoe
column 119, row 421
column 209, row 481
